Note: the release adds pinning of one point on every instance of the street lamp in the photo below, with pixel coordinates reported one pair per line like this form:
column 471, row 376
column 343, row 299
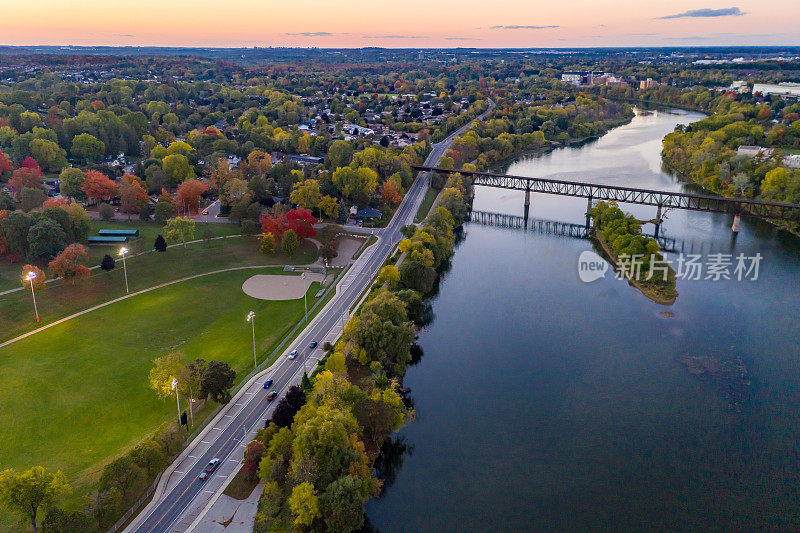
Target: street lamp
column 251, row 317
column 122, row 252
column 175, row 388
column 30, row 279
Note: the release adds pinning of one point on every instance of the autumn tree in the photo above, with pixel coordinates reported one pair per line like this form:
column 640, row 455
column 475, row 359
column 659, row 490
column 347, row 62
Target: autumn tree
column 68, row 263
column 329, row 206
column 267, row 244
column 180, row 229
column 25, row 177
column 189, row 193
column 38, row 281
column 259, row 163
column 306, row 194
column 132, row 194
column 390, row 193
column 177, row 168
column 304, row 504
column 165, row 369
column 356, row 184
column 97, row 186
column 389, row 276
column 26, row 492
column 302, row 222
column 252, row 457
column 274, row 224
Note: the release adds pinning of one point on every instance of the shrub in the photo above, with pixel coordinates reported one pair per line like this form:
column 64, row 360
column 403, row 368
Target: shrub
column 106, row 212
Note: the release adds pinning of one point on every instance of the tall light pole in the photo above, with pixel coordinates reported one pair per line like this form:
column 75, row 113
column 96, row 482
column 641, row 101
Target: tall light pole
column 251, row 317
column 30, row 278
column 175, row 388
column 122, row 252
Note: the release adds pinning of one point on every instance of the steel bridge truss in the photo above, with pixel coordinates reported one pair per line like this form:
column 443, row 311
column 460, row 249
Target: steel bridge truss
column 631, row 195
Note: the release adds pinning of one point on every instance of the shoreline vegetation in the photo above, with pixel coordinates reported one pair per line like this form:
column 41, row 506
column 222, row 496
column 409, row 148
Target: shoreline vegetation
column 619, row 236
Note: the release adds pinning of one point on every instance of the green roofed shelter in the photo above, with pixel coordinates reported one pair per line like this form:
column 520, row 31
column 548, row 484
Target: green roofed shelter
column 119, row 232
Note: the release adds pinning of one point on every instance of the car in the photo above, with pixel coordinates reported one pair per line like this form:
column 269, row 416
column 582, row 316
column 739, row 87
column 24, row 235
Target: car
column 268, row 384
column 292, row 354
column 271, row 396
column 210, row 467
column 313, row 345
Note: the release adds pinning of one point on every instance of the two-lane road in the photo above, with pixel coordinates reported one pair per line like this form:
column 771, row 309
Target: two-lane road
column 185, row 495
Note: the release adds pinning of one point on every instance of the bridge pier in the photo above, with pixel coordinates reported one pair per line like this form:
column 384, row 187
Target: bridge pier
column 737, row 219
column 658, row 221
column 589, row 214
column 527, row 205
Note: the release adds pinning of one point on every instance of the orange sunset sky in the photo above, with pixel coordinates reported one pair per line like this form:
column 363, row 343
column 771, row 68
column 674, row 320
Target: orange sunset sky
column 407, row 23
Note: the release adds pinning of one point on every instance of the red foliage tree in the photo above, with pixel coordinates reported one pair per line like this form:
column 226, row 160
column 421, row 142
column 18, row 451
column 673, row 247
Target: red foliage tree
column 67, row 264
column 132, row 194
column 30, row 162
column 5, row 165
column 189, row 193
column 3, row 241
column 38, row 281
column 26, row 177
column 390, row 194
column 98, row 186
column 55, row 202
column 301, row 221
column 277, row 225
column 252, row 458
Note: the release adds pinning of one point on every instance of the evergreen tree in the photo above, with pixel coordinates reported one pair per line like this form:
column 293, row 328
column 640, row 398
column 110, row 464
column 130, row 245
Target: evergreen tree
column 107, row 263
column 160, row 244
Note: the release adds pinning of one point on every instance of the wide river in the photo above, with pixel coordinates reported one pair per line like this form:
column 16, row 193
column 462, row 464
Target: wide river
column 546, row 403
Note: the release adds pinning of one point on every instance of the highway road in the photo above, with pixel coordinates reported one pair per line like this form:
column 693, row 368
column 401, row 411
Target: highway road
column 184, row 496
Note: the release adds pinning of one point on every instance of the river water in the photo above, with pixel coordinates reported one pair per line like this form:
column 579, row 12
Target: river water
column 547, row 403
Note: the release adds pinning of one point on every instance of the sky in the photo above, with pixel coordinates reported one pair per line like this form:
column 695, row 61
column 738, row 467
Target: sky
column 401, row 24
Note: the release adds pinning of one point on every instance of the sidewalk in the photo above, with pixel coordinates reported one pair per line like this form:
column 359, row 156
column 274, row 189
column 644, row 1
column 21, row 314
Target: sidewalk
column 229, row 515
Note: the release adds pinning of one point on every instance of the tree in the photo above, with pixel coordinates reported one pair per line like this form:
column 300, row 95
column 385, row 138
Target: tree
column 418, row 276
column 71, row 183
column 218, row 378
column 38, row 281
column 189, row 193
column 97, row 186
column 177, row 168
column 355, row 183
column 48, row 154
column 252, row 457
column 290, row 243
column 274, row 223
column 301, row 221
column 132, row 194
column 80, row 222
column 306, row 194
column 5, row 165
column 25, row 492
column 328, row 206
column 31, row 198
column 267, row 244
column 390, row 193
column 180, row 229
column 15, row 226
column 46, row 239
column 25, row 177
column 344, row 504
column 304, row 504
column 165, row 369
column 340, row 153
column 160, row 245
column 67, row 264
column 385, row 333
column 164, row 210
column 288, row 406
column 87, row 148
column 106, row 212
column 107, row 263
column 389, row 276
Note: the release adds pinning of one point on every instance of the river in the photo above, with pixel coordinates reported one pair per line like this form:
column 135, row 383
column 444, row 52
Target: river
column 546, row 403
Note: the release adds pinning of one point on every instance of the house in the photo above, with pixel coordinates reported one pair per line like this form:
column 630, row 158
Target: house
column 368, row 212
column 305, row 159
column 753, row 151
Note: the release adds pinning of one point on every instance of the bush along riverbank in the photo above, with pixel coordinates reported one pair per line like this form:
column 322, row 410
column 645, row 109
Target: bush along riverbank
column 636, row 257
column 317, row 453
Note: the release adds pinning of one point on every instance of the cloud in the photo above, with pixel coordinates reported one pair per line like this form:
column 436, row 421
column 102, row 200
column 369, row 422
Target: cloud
column 522, row 27
column 643, row 34
column 461, row 39
column 706, row 13
column 393, row 36
column 311, row 34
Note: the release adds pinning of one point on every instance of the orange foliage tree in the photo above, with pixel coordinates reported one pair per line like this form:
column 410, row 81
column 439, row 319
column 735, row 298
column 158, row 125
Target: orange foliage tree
column 68, row 263
column 38, row 282
column 55, row 202
column 389, row 193
column 132, row 194
column 25, row 177
column 98, row 186
column 3, row 241
column 189, row 193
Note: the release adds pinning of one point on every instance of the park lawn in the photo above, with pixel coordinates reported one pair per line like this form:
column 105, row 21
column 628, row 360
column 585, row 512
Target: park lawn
column 148, row 231
column 76, row 395
column 61, row 298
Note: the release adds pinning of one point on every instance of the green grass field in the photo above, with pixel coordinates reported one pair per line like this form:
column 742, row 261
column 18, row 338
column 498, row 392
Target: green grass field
column 427, row 202
column 60, row 298
column 76, row 395
column 148, row 231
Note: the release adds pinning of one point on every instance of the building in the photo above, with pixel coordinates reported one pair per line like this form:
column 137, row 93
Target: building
column 305, row 159
column 753, row 151
column 575, row 78
column 740, row 87
column 649, row 83
column 783, row 89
